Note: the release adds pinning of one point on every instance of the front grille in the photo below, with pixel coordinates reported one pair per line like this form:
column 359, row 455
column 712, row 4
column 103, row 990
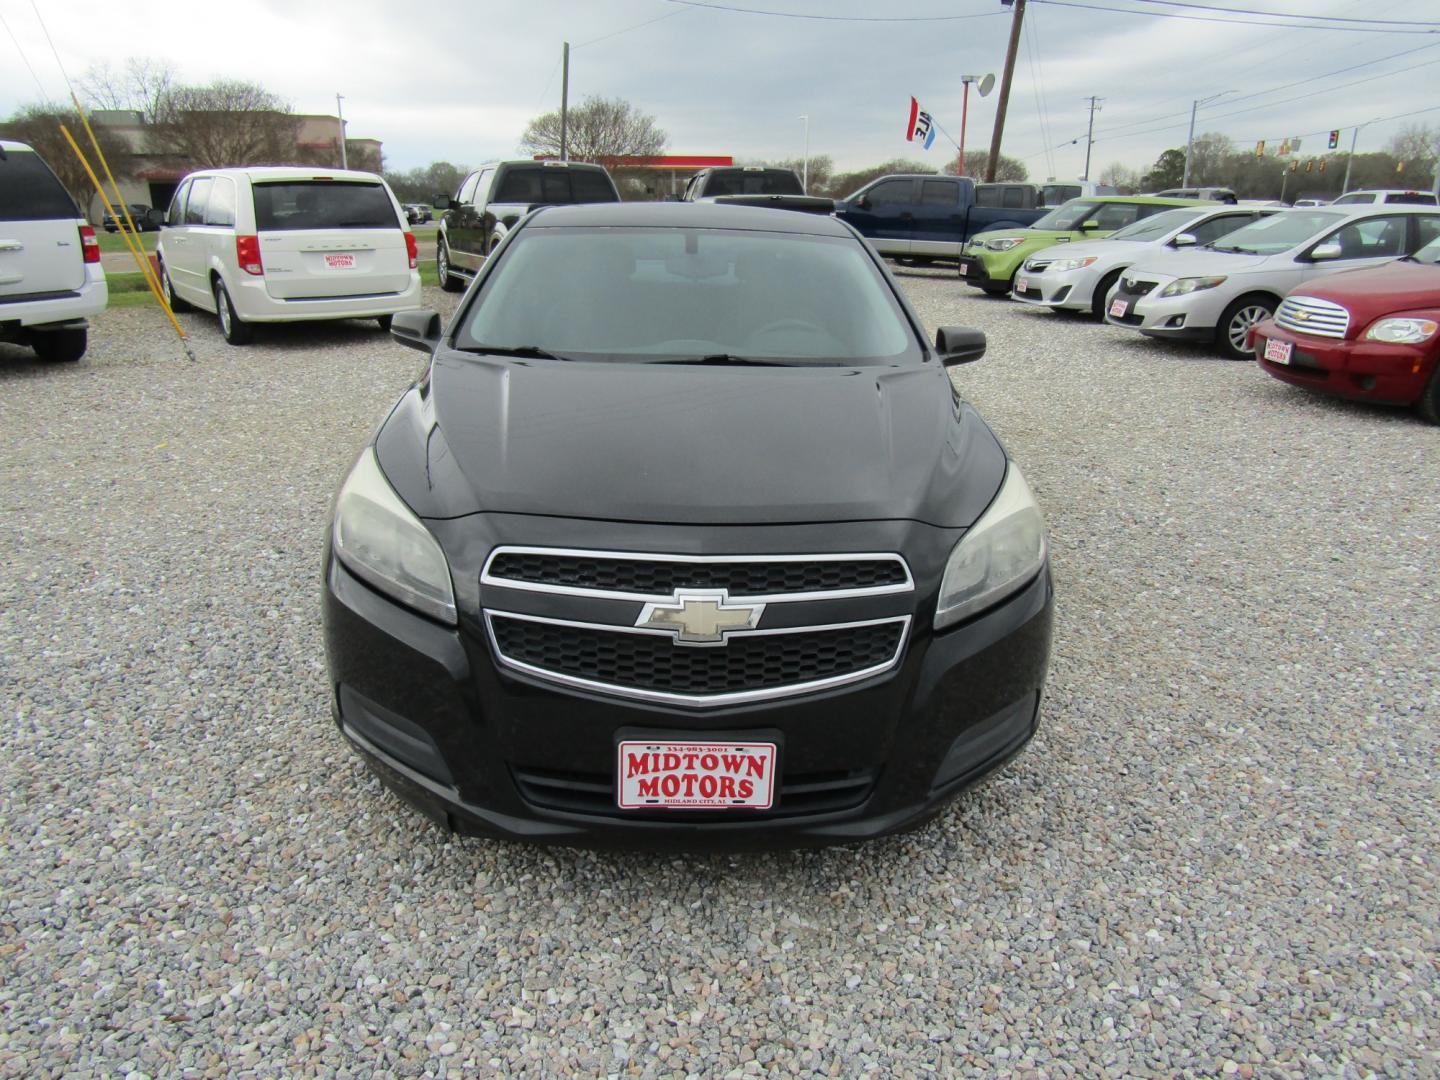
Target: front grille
column 1311, row 315
column 741, row 578
column 652, row 664
column 594, row 793
column 1138, row 288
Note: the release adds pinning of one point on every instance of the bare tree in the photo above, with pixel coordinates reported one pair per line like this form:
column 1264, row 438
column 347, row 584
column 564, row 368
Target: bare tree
column 39, row 126
column 1210, row 156
column 226, row 123
column 144, row 85
column 846, row 184
column 600, row 130
column 1417, row 145
column 1009, row 170
column 1121, row 177
column 821, row 168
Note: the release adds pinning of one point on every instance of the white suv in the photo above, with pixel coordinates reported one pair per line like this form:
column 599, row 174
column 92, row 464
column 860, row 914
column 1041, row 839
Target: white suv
column 50, row 276
column 285, row 245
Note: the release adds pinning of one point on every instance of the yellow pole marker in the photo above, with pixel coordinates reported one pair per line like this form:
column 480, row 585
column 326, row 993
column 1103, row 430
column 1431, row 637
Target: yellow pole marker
column 145, row 269
column 135, row 253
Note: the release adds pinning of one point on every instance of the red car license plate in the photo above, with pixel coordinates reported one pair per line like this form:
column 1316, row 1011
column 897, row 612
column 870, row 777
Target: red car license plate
column 696, row 776
column 1119, row 307
column 340, row 262
column 1278, row 352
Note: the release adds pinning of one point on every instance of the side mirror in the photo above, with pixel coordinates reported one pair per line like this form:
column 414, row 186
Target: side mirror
column 442, row 202
column 417, row 329
column 957, row 344
column 1088, row 225
column 1328, row 250
column 155, row 219
column 1185, row 239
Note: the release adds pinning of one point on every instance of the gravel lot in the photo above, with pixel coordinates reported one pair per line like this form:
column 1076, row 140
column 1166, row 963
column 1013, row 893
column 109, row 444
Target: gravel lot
column 1218, row 857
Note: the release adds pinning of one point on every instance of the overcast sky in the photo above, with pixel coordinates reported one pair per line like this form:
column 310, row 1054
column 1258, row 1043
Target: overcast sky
column 457, row 80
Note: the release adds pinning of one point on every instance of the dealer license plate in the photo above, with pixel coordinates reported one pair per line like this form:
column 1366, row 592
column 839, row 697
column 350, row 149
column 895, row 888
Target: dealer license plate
column 1022, row 284
column 340, row 262
column 1118, row 307
column 696, row 776
column 964, row 268
column 1278, row 352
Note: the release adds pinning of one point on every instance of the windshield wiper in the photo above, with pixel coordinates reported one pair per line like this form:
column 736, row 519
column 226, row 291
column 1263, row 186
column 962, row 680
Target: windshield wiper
column 720, row 359
column 532, row 351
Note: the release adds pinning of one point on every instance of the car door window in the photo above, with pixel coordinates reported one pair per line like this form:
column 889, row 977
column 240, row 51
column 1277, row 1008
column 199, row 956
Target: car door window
column 221, row 208
column 1111, row 216
column 482, row 186
column 199, row 198
column 1208, row 232
column 176, row 214
column 939, row 193
column 1372, row 238
column 891, row 193
column 1427, row 229
column 1014, row 198
column 467, row 189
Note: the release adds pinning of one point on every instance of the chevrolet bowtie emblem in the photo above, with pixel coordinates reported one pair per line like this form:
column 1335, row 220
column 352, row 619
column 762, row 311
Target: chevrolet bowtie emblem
column 699, row 618
column 1301, row 315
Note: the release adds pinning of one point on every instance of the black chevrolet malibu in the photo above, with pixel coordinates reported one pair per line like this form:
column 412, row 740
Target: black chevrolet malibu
column 685, row 539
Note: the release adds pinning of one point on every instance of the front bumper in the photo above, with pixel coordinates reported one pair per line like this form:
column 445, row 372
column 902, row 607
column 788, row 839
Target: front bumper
column 486, row 750
column 1192, row 317
column 1065, row 290
column 254, row 304
column 991, row 271
column 1362, row 370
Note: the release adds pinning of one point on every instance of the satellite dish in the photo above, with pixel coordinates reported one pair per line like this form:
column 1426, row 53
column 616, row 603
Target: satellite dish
column 987, row 84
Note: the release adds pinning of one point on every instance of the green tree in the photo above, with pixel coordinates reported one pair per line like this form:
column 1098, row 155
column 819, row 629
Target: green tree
column 1210, row 160
column 421, row 185
column 1008, row 170
column 39, row 126
column 1167, row 172
column 846, row 184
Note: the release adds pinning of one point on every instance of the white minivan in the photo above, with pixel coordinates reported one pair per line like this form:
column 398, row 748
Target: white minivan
column 285, row 244
column 50, row 275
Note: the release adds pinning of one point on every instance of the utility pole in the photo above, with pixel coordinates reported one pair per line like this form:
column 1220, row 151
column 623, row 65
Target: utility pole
column 1345, row 184
column 565, row 104
column 1090, row 134
column 805, row 167
column 340, row 115
column 1000, row 106
column 1190, row 139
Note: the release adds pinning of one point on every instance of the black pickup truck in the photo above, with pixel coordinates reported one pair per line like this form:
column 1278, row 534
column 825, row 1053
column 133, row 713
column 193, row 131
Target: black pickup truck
column 754, row 185
column 925, row 216
column 494, row 197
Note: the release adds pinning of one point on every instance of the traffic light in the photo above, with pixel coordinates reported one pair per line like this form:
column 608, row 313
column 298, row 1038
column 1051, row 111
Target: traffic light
column 1334, row 138
column 1400, row 166
column 1309, row 165
column 1295, row 165
column 1260, row 148
column 1322, row 164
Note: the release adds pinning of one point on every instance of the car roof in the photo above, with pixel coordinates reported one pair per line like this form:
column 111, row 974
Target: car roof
column 1368, row 209
column 1148, row 200
column 7, row 145
column 682, row 215
column 549, row 163
column 288, row 172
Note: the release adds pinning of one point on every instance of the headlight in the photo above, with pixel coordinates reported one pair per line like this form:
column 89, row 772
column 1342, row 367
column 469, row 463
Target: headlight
column 1000, row 553
column 380, row 540
column 1186, row 285
column 1402, row 331
column 1062, row 265
column 1005, row 243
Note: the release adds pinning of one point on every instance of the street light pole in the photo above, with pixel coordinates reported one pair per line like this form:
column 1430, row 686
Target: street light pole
column 565, row 104
column 805, row 162
column 340, row 115
column 964, row 115
column 1190, row 139
column 1350, row 160
column 1090, row 135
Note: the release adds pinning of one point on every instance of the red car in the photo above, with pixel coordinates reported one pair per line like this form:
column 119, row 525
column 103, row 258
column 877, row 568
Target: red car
column 1367, row 334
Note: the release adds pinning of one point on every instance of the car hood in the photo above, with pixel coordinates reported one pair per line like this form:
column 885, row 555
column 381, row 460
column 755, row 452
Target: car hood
column 689, row 444
column 1039, row 236
column 1375, row 290
column 1199, row 264
column 1085, row 248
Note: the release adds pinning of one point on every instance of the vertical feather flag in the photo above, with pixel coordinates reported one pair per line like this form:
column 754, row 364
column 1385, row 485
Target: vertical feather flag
column 921, row 127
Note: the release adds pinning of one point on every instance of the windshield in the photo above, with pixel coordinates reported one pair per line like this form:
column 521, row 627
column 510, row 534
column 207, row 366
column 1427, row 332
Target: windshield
column 656, row 294
column 738, row 182
column 1278, row 232
column 1158, row 226
column 1067, row 218
column 323, row 204
column 1430, row 253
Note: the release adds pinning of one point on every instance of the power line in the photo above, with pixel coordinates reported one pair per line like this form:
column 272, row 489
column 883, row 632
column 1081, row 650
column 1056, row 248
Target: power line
column 38, row 85
column 837, row 18
column 1206, row 18
column 1289, row 15
column 626, row 30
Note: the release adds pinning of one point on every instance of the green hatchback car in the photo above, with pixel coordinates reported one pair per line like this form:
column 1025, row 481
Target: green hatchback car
column 990, row 259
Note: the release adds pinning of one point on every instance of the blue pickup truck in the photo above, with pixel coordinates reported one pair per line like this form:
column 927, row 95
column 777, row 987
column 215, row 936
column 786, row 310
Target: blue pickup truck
column 925, row 216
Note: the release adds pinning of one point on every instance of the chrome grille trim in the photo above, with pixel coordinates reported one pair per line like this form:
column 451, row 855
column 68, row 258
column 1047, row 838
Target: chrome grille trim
column 1313, row 316
column 488, row 578
column 697, row 700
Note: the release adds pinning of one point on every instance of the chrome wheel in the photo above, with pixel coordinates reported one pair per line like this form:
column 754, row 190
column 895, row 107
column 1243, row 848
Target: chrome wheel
column 442, row 263
column 222, row 306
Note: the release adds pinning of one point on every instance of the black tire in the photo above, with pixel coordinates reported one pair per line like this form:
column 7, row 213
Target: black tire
column 232, row 328
column 1102, row 290
column 60, row 346
column 384, row 321
column 1238, row 318
column 1429, row 404
column 448, row 281
column 168, row 289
